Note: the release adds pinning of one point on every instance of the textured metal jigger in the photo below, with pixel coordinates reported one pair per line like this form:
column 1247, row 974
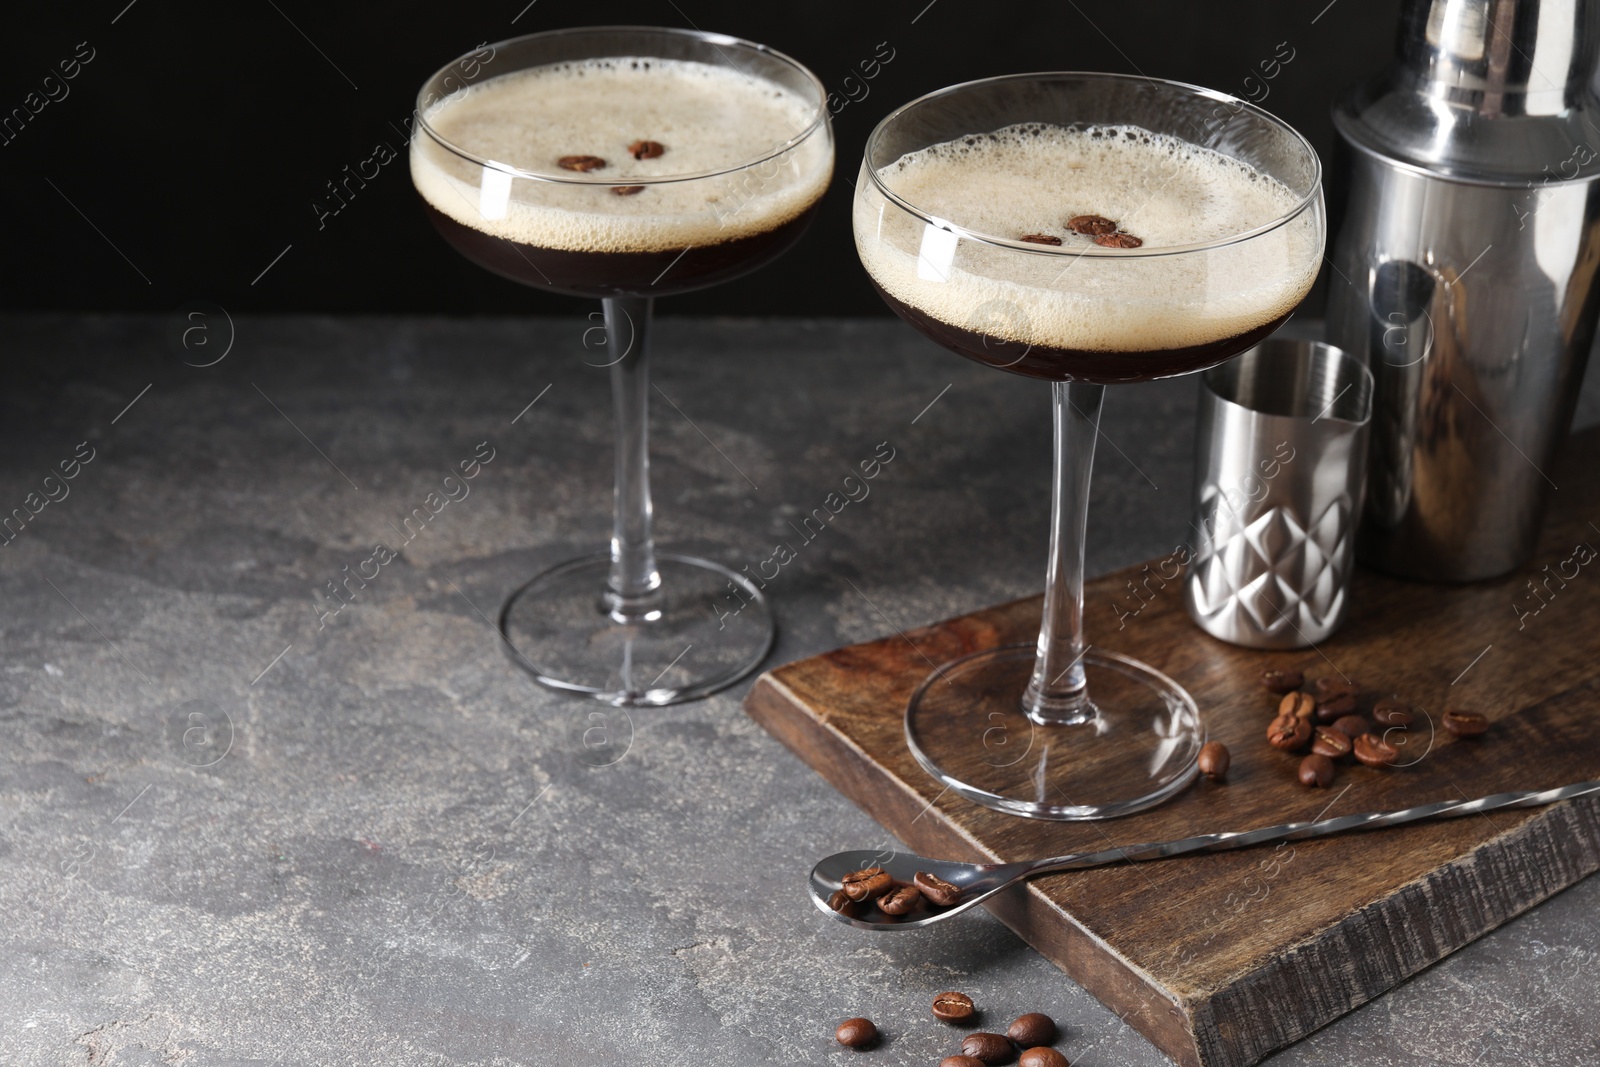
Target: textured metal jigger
column 1279, row 468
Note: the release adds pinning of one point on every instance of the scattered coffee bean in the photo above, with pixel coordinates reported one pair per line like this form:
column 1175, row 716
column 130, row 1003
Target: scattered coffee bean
column 1214, row 760
column 844, row 905
column 1352, row 725
column 1041, row 239
column 1033, row 1029
column 1331, row 687
column 1316, row 771
column 581, row 163
column 1465, row 723
column 1374, row 751
column 1298, row 705
column 626, row 190
column 1326, row 741
column 646, row 149
column 1335, row 707
column 1091, row 225
column 937, row 889
column 1117, row 240
column 1042, row 1057
column 990, row 1048
column 1288, row 733
column 1391, row 712
column 856, row 1033
column 961, row 1061
column 867, row 882
column 953, row 1007
column 899, row 900
column 1281, row 681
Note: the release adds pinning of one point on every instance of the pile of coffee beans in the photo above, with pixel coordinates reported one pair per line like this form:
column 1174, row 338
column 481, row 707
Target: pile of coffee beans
column 1031, row 1034
column 1327, row 719
column 871, row 887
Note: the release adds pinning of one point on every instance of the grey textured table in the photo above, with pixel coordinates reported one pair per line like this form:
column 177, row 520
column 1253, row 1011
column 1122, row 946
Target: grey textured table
column 231, row 833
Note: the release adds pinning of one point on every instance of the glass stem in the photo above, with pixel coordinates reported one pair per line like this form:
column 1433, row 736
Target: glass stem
column 633, row 593
column 1057, row 692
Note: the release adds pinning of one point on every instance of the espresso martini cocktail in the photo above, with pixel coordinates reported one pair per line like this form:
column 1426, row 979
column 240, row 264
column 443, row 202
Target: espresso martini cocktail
column 627, row 163
column 1085, row 229
column 651, row 180
column 1041, row 297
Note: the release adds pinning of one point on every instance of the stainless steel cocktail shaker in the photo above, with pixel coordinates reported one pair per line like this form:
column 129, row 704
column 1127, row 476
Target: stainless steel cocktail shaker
column 1465, row 274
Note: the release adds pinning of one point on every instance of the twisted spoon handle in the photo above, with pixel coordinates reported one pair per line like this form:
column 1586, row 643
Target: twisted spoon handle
column 1300, row 831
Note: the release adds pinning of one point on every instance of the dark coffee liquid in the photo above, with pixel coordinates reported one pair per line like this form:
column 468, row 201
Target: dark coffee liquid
column 1077, row 365
column 606, row 274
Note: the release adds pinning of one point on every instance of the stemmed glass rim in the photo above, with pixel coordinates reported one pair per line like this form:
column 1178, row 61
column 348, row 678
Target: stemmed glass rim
column 1305, row 202
column 817, row 120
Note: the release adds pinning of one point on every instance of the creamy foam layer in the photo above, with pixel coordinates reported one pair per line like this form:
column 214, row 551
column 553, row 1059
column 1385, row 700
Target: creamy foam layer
column 1030, row 179
column 707, row 118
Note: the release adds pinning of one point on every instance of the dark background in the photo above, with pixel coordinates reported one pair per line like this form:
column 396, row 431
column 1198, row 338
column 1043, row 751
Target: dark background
column 198, row 136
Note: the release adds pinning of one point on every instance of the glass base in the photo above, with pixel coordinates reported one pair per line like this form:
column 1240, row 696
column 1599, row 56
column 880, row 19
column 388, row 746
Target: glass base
column 966, row 726
column 710, row 628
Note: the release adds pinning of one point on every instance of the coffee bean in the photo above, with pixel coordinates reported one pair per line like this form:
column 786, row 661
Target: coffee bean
column 1281, row 681
column 856, row 1033
column 581, row 163
column 1331, row 687
column 645, row 149
column 961, row 1061
column 1041, row 239
column 1032, row 1029
column 937, row 889
column 1214, row 759
column 953, row 1007
column 1352, row 725
column 1465, row 723
column 900, row 900
column 1335, row 707
column 990, row 1048
column 1042, row 1057
column 1374, row 751
column 844, row 905
column 1289, row 733
column 867, row 882
column 1316, row 771
column 1327, row 741
column 1297, row 705
column 1118, row 240
column 1091, row 225
column 626, row 190
column 1391, row 712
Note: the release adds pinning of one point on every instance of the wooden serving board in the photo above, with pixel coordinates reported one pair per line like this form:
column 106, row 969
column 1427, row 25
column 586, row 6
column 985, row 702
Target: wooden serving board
column 1220, row 959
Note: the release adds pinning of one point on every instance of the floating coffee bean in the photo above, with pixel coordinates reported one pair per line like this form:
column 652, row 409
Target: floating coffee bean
column 1391, row 712
column 1281, row 681
column 1042, row 1057
column 1041, row 239
column 990, row 1048
column 856, row 1033
column 1331, row 687
column 580, row 163
column 626, row 190
column 1118, row 240
column 844, row 905
column 1297, row 705
column 937, row 889
column 646, row 149
column 1213, row 760
column 1091, row 225
column 1374, row 751
column 1289, row 733
column 1034, row 1028
column 961, row 1061
column 1335, row 707
column 953, row 1007
column 1316, row 771
column 1352, row 725
column 1465, row 723
column 867, row 882
column 899, row 900
column 1327, row 741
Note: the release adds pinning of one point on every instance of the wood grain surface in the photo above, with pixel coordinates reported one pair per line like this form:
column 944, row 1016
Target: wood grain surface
column 1220, row 959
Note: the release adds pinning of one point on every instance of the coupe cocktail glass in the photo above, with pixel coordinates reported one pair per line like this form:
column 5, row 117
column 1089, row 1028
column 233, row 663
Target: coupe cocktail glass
column 626, row 163
column 1084, row 229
